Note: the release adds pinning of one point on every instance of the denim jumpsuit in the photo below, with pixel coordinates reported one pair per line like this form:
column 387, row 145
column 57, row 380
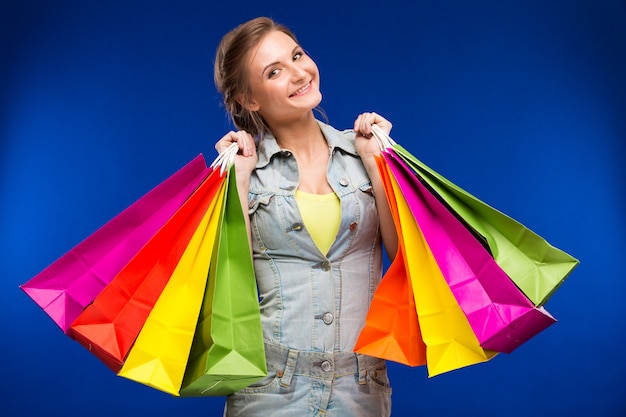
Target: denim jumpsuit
column 313, row 305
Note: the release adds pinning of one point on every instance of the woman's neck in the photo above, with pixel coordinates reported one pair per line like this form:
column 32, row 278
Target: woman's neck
column 306, row 140
column 303, row 137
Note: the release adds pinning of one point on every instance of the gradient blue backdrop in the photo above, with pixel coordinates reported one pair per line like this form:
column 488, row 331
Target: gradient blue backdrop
column 520, row 102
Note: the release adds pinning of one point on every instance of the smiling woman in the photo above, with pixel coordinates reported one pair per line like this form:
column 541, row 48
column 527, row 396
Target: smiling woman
column 520, row 102
column 314, row 297
column 289, row 84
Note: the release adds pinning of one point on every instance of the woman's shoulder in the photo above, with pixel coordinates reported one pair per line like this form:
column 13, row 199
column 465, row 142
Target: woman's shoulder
column 343, row 139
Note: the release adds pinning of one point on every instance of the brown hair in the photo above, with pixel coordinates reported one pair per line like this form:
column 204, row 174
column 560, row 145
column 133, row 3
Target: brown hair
column 231, row 71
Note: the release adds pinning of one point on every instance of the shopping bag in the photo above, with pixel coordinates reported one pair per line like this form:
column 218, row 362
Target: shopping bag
column 159, row 356
column 391, row 329
column 450, row 341
column 72, row 282
column 228, row 351
column 109, row 326
column 535, row 266
column 500, row 315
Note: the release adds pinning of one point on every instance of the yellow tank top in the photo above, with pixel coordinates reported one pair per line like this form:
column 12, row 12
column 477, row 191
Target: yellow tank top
column 321, row 214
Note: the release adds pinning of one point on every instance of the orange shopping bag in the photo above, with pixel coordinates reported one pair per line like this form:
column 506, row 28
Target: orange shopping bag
column 391, row 328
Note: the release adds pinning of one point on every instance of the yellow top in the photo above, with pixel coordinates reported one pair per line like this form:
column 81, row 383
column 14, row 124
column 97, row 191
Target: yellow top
column 321, row 214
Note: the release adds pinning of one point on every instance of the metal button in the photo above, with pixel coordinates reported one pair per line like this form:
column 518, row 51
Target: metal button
column 324, row 266
column 327, row 318
column 326, row 366
column 353, row 226
column 344, row 182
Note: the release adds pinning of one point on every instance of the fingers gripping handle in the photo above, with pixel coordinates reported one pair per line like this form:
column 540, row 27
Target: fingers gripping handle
column 226, row 158
column 384, row 140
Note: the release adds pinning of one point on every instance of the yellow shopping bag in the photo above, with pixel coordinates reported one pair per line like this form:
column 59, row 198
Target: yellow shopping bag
column 160, row 354
column 450, row 341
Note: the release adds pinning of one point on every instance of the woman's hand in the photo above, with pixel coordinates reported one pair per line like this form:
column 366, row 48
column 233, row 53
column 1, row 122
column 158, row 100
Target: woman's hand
column 365, row 146
column 368, row 147
column 246, row 158
column 245, row 162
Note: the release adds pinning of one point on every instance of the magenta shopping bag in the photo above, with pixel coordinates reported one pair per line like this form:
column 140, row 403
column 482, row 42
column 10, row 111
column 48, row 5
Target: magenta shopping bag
column 500, row 315
column 73, row 281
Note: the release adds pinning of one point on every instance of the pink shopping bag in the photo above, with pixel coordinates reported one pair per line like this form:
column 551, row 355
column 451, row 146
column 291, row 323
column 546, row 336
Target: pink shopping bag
column 73, row 281
column 500, row 315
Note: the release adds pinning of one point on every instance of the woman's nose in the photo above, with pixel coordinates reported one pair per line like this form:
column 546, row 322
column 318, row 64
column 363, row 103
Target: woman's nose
column 297, row 72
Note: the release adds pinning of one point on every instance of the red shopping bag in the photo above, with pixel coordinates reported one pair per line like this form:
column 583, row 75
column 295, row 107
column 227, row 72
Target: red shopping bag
column 72, row 282
column 109, row 326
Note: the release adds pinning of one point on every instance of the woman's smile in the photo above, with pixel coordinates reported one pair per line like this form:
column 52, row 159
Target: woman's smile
column 302, row 90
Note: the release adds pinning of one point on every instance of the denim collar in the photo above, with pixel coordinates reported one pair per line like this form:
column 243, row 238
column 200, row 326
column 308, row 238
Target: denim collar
column 344, row 140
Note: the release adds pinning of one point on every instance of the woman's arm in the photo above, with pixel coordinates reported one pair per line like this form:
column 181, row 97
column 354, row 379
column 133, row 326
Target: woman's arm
column 245, row 162
column 368, row 150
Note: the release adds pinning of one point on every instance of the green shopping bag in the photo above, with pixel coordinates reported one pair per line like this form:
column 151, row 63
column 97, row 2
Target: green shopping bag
column 534, row 265
column 227, row 353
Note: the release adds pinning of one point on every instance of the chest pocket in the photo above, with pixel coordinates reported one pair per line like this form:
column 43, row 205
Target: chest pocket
column 276, row 225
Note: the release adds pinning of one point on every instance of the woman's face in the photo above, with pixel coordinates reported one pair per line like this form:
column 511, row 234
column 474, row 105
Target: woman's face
column 284, row 80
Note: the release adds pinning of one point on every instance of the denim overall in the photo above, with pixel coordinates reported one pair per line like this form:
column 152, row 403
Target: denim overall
column 313, row 305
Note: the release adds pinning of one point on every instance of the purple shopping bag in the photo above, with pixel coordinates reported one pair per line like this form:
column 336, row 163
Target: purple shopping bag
column 500, row 315
column 72, row 282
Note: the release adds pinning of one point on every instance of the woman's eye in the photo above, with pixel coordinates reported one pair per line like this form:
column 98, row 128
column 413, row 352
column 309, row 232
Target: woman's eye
column 273, row 73
column 297, row 56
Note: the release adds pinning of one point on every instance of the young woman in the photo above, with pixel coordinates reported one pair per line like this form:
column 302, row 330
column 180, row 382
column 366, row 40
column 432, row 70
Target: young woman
column 317, row 213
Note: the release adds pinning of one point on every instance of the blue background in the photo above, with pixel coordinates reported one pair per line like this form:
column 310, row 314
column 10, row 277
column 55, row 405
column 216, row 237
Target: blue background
column 520, row 102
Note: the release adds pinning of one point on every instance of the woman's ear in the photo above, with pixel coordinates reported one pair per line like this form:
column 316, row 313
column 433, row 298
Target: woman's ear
column 249, row 105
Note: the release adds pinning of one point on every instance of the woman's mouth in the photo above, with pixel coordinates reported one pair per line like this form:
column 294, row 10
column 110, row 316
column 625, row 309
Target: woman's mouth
column 302, row 90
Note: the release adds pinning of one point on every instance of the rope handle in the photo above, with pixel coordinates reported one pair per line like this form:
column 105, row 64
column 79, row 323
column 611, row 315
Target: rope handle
column 384, row 140
column 226, row 158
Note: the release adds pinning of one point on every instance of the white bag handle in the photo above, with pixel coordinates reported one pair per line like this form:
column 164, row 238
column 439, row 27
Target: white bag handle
column 226, row 158
column 384, row 140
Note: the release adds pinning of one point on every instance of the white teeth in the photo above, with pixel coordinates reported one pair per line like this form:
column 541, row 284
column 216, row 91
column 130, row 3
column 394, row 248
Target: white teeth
column 300, row 90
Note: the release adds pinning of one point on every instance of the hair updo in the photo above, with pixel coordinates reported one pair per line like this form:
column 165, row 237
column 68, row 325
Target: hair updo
column 231, row 71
